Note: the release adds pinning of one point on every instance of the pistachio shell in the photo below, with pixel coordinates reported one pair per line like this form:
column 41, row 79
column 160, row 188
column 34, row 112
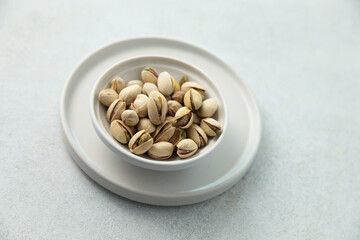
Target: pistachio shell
column 129, row 93
column 175, row 84
column 165, row 83
column 157, row 108
column 197, row 119
column 184, row 117
column 149, row 87
column 107, row 96
column 186, row 148
column 192, row 99
column 196, row 133
column 115, row 110
column 178, row 96
column 140, row 105
column 186, row 86
column 178, row 135
column 210, row 126
column 149, row 75
column 145, row 124
column 183, row 80
column 135, row 82
column 129, row 117
column 164, row 132
column 117, row 84
column 208, row 108
column 120, row 131
column 141, row 142
column 161, row 150
column 171, row 119
column 173, row 106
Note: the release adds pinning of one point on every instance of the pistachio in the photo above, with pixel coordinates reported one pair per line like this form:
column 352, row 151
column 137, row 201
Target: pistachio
column 115, row 110
column 184, row 117
column 178, row 135
column 183, row 80
column 196, row 133
column 107, row 96
column 157, row 108
column 140, row 105
column 161, row 150
column 120, row 131
column 129, row 93
column 135, row 82
column 210, row 126
column 149, row 75
column 197, row 119
column 167, row 98
column 164, row 132
column 145, row 124
column 186, row 148
column 171, row 119
column 117, row 84
column 178, row 96
column 208, row 108
column 130, row 117
column 186, row 86
column 165, row 83
column 176, row 86
column 149, row 87
column 173, row 106
column 141, row 142
column 192, row 99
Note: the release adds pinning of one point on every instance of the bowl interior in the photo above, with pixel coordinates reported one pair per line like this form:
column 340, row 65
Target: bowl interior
column 131, row 69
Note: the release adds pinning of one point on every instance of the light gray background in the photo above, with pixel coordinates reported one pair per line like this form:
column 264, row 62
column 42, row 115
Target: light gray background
column 301, row 59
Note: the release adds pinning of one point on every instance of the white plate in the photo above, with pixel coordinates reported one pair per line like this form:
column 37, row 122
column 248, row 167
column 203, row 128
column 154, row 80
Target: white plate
column 205, row 180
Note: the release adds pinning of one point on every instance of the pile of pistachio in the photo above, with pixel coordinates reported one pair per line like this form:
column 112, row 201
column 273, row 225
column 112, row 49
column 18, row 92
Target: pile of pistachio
column 158, row 113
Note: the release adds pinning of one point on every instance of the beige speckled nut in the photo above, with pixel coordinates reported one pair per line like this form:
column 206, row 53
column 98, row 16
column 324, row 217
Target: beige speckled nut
column 161, row 150
column 130, row 117
column 208, row 108
column 141, row 142
column 175, row 84
column 117, row 84
column 165, row 83
column 135, row 82
column 129, row 93
column 179, row 135
column 173, row 106
column 186, row 148
column 196, row 133
column 171, row 119
column 178, row 96
column 145, row 124
column 183, row 80
column 184, row 117
column 157, row 108
column 140, row 105
column 186, row 86
column 120, row 131
column 210, row 126
column 149, row 75
column 192, row 99
column 107, row 96
column 115, row 110
column 149, row 87
column 164, row 132
column 197, row 119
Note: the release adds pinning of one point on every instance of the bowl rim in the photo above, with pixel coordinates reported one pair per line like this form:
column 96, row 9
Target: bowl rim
column 141, row 161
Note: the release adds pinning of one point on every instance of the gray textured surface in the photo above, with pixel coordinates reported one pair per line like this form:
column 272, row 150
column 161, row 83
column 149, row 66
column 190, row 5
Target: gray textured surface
column 301, row 58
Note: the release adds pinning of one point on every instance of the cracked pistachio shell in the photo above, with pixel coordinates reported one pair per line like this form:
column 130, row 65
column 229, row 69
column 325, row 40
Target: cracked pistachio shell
column 178, row 96
column 149, row 75
column 210, row 126
column 197, row 119
column 120, row 131
column 141, row 142
column 140, row 105
column 171, row 119
column 192, row 99
column 196, row 133
column 183, row 80
column 115, row 110
column 176, row 86
column 186, row 148
column 117, row 84
column 157, row 108
column 165, row 83
column 184, row 117
column 178, row 135
column 161, row 150
column 130, row 117
column 208, row 108
column 173, row 106
column 145, row 124
column 164, row 132
column 135, row 82
column 129, row 93
column 186, row 86
column 107, row 96
column 149, row 87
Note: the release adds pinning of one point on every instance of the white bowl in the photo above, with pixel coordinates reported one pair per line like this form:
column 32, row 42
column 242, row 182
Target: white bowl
column 130, row 69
